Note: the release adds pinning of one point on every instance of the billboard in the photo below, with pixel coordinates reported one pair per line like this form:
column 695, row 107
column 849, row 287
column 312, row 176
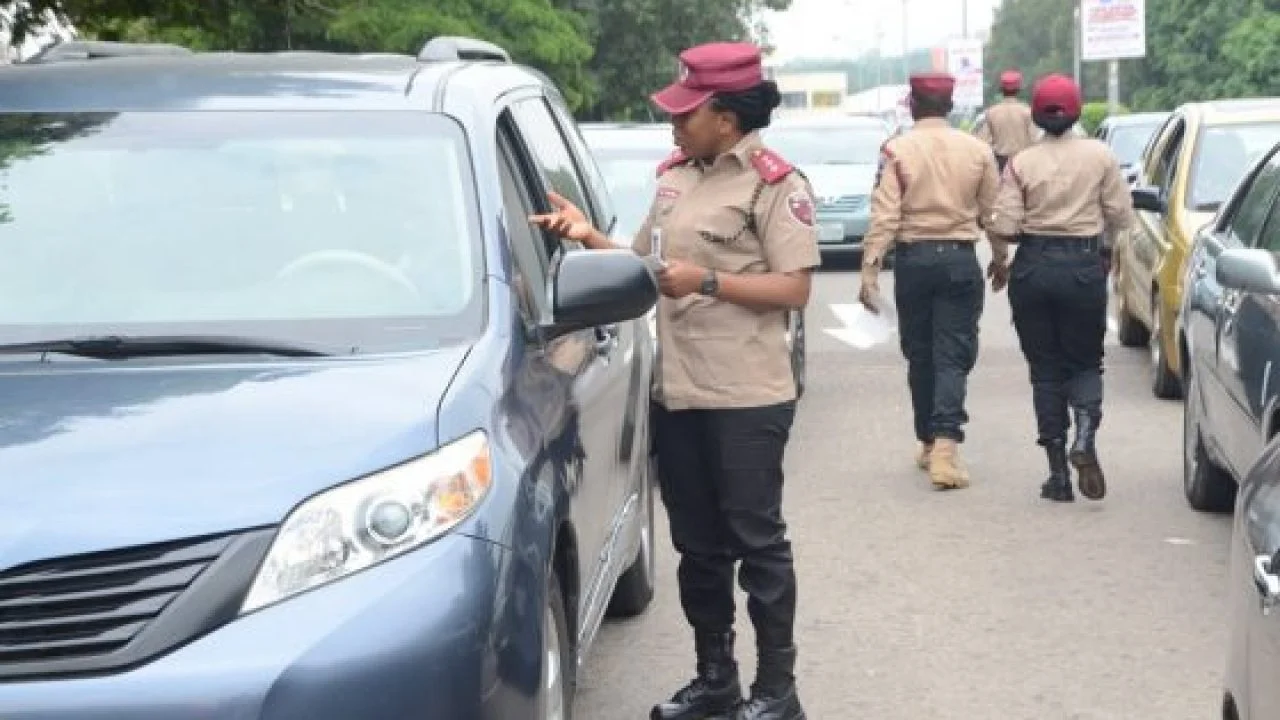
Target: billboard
column 964, row 62
column 1113, row 29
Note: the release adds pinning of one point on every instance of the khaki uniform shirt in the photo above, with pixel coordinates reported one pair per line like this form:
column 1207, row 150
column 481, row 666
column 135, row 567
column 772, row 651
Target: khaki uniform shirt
column 1063, row 186
column 935, row 183
column 711, row 353
column 1009, row 128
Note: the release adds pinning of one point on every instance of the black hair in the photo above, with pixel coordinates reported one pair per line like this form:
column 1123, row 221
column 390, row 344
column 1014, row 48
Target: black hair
column 1053, row 120
column 930, row 106
column 1010, row 93
column 753, row 108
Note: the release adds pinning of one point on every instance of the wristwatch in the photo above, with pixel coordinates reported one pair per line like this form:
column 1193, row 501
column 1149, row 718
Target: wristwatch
column 710, row 284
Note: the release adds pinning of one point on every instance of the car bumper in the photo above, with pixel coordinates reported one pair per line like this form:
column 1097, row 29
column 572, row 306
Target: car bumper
column 837, row 234
column 414, row 637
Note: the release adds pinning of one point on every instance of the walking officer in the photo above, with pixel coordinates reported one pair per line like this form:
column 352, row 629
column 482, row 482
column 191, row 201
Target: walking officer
column 737, row 243
column 1008, row 128
column 1056, row 200
column 935, row 186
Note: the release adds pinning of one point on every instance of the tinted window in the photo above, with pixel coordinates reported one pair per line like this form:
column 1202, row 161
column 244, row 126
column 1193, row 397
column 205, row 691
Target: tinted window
column 1223, row 156
column 1128, row 141
column 354, row 229
column 543, row 138
column 1269, row 238
column 530, row 278
column 605, row 213
column 1255, row 204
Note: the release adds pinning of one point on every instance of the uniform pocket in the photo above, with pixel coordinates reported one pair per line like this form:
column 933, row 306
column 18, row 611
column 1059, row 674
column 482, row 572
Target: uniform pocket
column 1091, row 273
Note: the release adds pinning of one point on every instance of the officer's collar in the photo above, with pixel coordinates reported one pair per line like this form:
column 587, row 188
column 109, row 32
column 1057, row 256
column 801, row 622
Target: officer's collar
column 741, row 151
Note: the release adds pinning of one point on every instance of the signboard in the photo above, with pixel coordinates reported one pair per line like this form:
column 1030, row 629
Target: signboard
column 964, row 62
column 1113, row 29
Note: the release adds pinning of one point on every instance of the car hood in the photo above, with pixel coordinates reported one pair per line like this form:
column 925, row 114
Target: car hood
column 841, row 180
column 101, row 457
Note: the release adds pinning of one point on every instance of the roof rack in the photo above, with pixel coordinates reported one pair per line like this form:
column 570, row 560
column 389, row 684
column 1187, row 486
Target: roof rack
column 95, row 49
column 451, row 48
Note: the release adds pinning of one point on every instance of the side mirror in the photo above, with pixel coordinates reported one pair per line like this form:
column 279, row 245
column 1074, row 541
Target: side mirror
column 599, row 287
column 1250, row 270
column 1147, row 198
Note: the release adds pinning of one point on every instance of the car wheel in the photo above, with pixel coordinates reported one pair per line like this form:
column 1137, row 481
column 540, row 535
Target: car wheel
column 798, row 357
column 1131, row 332
column 1208, row 487
column 1164, row 383
column 635, row 588
column 557, row 664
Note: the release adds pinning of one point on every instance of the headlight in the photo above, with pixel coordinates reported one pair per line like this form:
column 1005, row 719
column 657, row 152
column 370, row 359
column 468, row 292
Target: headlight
column 362, row 523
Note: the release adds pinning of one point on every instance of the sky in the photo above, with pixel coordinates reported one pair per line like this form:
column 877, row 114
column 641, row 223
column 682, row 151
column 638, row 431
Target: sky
column 847, row 28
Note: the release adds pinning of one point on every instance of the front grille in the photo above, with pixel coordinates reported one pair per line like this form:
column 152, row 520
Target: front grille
column 844, row 203
column 97, row 611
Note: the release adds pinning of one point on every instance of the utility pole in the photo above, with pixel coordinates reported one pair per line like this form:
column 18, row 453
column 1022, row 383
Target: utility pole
column 906, row 50
column 964, row 19
column 1076, row 40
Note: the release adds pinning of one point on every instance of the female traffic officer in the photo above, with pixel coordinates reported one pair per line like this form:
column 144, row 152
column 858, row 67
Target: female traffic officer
column 733, row 225
column 1056, row 199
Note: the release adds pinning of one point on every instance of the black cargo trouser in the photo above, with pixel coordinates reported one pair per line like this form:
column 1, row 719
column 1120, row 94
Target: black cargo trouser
column 939, row 291
column 721, row 482
column 1058, row 292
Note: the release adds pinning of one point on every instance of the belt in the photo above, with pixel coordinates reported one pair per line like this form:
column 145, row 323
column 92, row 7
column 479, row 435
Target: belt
column 1091, row 243
column 919, row 245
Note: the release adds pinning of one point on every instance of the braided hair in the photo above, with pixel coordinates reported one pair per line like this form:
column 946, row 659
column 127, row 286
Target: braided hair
column 753, row 108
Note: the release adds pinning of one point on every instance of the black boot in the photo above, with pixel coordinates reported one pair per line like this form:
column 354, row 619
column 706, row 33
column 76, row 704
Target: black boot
column 1084, row 456
column 712, row 695
column 773, row 694
column 1058, row 486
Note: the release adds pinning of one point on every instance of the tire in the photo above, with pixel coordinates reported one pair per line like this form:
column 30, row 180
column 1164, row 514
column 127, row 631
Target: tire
column 558, row 681
column 1208, row 487
column 636, row 586
column 798, row 352
column 1131, row 332
column 1164, row 384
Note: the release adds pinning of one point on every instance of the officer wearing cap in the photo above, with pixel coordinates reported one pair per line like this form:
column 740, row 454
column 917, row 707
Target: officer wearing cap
column 1059, row 200
column 1008, row 128
column 935, row 187
column 734, row 225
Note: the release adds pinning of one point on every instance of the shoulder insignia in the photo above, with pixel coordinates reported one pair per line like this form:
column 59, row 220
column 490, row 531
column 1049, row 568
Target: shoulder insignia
column 800, row 206
column 677, row 157
column 770, row 165
column 887, row 157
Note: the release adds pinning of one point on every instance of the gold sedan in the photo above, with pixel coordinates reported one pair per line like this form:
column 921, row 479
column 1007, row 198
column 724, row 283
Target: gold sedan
column 1187, row 171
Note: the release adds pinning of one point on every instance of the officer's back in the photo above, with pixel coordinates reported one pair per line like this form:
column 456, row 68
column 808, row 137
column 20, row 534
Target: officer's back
column 940, row 171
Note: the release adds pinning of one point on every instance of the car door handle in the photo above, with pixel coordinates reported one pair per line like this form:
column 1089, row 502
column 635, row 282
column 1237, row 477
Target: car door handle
column 606, row 340
column 1267, row 583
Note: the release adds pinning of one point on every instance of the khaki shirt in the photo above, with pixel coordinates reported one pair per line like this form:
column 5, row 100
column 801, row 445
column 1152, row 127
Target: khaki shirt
column 935, row 183
column 1063, row 186
column 1009, row 128
column 711, row 353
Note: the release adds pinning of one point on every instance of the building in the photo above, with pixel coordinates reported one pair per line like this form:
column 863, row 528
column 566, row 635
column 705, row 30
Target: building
column 803, row 91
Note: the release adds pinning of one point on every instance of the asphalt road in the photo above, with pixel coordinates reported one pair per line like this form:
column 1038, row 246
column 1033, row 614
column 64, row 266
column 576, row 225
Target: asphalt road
column 981, row 604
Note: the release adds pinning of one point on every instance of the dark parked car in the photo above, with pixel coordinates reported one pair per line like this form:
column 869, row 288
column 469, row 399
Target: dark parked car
column 628, row 155
column 302, row 418
column 1253, row 592
column 1229, row 338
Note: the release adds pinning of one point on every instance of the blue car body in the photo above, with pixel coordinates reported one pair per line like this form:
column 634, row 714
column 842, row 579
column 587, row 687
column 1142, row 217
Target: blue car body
column 141, row 497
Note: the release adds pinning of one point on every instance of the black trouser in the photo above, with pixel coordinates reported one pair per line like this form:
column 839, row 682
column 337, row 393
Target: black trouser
column 939, row 290
column 1001, row 161
column 1058, row 292
column 721, row 480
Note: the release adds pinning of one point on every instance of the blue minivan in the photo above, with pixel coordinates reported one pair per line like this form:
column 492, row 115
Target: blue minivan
column 301, row 418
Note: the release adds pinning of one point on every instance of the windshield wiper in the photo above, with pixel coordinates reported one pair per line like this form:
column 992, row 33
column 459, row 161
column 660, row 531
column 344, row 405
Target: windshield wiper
column 121, row 347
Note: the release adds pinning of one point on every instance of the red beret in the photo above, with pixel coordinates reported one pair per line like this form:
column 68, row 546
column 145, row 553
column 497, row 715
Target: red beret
column 1056, row 93
column 933, row 84
column 1011, row 80
column 709, row 69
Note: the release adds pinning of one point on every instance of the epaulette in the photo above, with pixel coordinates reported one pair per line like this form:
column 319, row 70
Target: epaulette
column 772, row 168
column 677, row 157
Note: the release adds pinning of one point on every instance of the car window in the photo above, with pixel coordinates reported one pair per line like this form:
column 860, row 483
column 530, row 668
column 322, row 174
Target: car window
column 1269, row 237
column 1128, row 141
column 1157, row 162
column 543, row 139
column 1223, row 155
column 1255, row 204
column 1167, row 169
column 606, row 215
column 349, row 229
column 633, row 182
column 528, row 253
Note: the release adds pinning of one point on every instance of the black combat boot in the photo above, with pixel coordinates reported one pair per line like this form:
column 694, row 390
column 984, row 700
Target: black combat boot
column 1058, row 486
column 773, row 694
column 1084, row 456
column 715, row 693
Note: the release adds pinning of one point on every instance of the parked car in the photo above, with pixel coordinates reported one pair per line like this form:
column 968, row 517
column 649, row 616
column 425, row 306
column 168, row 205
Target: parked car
column 1229, row 339
column 1128, row 135
column 1191, row 166
column 1253, row 595
column 303, row 418
column 628, row 155
column 839, row 155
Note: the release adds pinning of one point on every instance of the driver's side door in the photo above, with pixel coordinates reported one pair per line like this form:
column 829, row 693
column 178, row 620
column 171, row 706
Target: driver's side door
column 1149, row 239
